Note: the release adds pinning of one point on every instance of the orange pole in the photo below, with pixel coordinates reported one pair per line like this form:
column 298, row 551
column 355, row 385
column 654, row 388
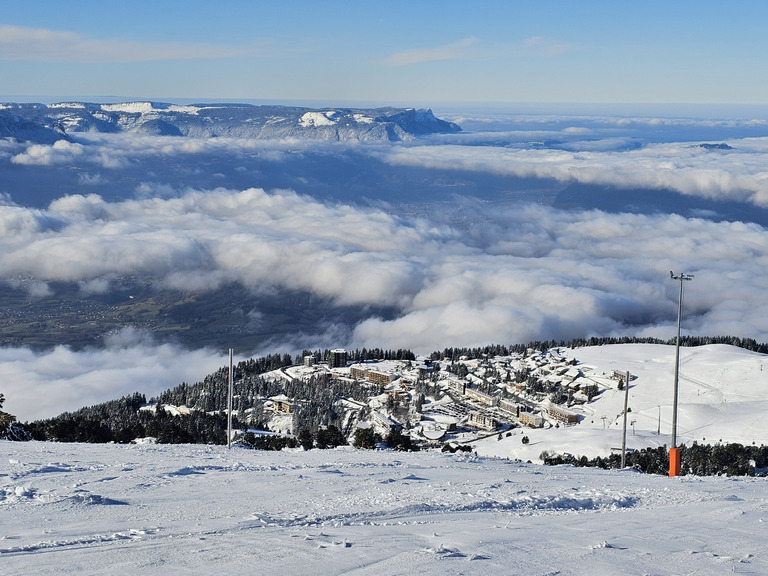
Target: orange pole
column 674, row 462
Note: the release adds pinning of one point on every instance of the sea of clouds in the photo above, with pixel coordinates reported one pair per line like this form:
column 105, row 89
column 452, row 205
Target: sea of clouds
column 456, row 270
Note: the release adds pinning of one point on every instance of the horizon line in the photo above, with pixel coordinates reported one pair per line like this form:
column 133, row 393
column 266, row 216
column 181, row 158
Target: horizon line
column 462, row 105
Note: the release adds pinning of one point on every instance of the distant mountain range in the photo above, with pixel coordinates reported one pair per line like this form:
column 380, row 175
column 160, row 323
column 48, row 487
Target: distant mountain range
column 47, row 123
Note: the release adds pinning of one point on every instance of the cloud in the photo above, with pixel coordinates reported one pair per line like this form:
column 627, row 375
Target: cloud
column 545, row 46
column 203, row 239
column 60, row 152
column 453, row 51
column 506, row 274
column 738, row 174
column 91, row 179
column 591, row 274
column 16, row 220
column 64, row 380
column 37, row 44
column 34, row 288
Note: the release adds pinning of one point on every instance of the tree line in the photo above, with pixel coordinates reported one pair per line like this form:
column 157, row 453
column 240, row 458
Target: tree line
column 697, row 460
column 122, row 420
column 358, row 355
column 544, row 345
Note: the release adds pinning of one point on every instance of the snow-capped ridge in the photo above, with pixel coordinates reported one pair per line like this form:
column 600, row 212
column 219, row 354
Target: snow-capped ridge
column 236, row 120
column 130, row 107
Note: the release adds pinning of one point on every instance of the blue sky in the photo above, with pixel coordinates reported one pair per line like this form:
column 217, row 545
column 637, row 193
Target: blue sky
column 418, row 53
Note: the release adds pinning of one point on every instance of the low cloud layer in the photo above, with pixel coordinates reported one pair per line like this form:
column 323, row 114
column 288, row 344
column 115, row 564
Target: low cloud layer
column 571, row 154
column 523, row 274
column 204, row 238
column 455, row 272
column 738, row 174
column 503, row 274
column 43, row 384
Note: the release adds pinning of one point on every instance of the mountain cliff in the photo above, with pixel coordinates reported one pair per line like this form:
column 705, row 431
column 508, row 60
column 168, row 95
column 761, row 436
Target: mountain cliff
column 38, row 121
column 18, row 127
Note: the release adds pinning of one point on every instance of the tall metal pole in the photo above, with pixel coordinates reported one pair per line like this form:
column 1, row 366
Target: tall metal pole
column 679, row 277
column 624, row 434
column 675, row 465
column 229, row 404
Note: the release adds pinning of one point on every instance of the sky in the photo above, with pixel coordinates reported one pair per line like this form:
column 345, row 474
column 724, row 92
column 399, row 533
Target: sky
column 419, row 53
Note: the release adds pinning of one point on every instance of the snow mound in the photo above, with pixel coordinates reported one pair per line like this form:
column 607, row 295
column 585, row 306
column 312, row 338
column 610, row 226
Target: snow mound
column 184, row 109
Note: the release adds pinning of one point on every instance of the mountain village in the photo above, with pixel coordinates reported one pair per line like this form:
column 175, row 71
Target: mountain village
column 452, row 400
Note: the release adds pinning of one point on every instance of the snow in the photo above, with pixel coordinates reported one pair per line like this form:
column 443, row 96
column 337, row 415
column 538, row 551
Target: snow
column 154, row 509
column 186, row 109
column 723, row 398
column 160, row 509
column 144, row 108
column 129, row 107
column 80, row 105
column 310, row 119
column 363, row 119
column 714, row 380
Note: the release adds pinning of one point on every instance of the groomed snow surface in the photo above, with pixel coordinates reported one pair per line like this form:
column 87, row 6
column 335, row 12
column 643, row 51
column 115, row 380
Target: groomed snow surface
column 151, row 509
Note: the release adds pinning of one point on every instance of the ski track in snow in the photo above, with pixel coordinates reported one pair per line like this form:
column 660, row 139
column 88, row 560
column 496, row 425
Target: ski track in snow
column 106, row 509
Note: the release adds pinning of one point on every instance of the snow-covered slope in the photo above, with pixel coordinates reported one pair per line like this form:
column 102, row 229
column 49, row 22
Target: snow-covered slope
column 723, row 398
column 159, row 510
column 155, row 509
column 235, row 120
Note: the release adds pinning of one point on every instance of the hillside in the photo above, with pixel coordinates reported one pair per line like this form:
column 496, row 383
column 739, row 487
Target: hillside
column 479, row 402
column 14, row 127
column 723, row 397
